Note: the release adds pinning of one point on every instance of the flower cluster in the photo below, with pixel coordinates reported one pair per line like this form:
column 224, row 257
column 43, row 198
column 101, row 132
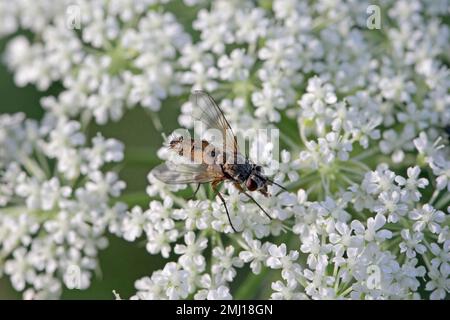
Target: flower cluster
column 124, row 56
column 362, row 115
column 365, row 234
column 54, row 203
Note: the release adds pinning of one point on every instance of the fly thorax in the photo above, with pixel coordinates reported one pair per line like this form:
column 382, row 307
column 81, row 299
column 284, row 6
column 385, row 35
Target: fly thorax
column 220, row 158
column 238, row 172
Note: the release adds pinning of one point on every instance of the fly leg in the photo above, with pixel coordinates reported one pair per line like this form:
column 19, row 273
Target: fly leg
column 239, row 187
column 262, row 209
column 214, row 187
column 195, row 192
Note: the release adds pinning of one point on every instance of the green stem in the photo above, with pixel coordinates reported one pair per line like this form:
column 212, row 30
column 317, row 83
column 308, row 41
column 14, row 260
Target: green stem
column 32, row 167
column 443, row 201
column 368, row 153
column 135, row 198
column 434, row 196
column 347, row 291
column 291, row 143
column 251, row 285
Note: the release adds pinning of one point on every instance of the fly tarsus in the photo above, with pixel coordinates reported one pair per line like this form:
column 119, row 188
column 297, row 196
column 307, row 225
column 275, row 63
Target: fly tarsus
column 214, row 186
column 259, row 206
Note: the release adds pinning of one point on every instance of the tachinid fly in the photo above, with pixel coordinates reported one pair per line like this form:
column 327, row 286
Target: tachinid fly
column 213, row 163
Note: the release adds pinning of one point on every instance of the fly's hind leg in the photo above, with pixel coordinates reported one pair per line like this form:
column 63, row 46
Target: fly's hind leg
column 214, row 185
column 239, row 187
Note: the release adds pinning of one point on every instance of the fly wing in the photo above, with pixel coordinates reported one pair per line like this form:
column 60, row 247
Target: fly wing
column 207, row 111
column 172, row 173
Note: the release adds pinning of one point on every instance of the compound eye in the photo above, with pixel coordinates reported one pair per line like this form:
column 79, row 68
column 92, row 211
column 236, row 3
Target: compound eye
column 251, row 185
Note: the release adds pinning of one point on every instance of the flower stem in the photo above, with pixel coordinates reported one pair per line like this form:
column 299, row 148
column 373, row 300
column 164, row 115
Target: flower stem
column 443, row 202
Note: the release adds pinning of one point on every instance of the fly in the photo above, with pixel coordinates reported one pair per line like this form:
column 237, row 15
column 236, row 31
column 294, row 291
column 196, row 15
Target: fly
column 210, row 163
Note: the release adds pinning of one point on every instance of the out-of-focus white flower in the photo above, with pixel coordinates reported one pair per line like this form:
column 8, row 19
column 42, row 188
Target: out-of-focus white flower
column 412, row 184
column 442, row 257
column 427, row 217
column 360, row 128
column 411, row 243
column 102, row 81
column 53, row 223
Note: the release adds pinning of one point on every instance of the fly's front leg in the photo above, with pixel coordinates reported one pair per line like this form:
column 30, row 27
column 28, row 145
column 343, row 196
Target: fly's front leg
column 238, row 186
column 214, row 185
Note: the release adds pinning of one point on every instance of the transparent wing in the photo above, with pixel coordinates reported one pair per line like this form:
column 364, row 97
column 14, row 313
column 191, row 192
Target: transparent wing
column 172, row 173
column 207, row 111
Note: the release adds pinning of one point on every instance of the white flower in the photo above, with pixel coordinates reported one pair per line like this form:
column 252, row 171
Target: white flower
column 225, row 262
column 267, row 102
column 287, row 291
column 315, row 249
column 197, row 214
column 288, row 167
column 148, row 290
column 221, row 293
column 336, row 208
column 235, row 67
column 191, row 253
column 169, row 283
column 319, row 284
column 103, row 80
column 161, row 213
column 373, row 231
column 66, row 135
column 423, row 145
column 278, row 258
column 255, row 254
column 397, row 88
column 444, row 235
column 103, row 151
column 427, row 217
column 333, row 142
column 133, row 224
column 158, row 239
column 442, row 257
column 439, row 284
column 412, row 183
column 395, row 144
column 344, row 237
column 411, row 243
column 103, row 185
column 441, row 168
column 390, row 204
column 318, row 95
column 19, row 269
column 378, row 181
